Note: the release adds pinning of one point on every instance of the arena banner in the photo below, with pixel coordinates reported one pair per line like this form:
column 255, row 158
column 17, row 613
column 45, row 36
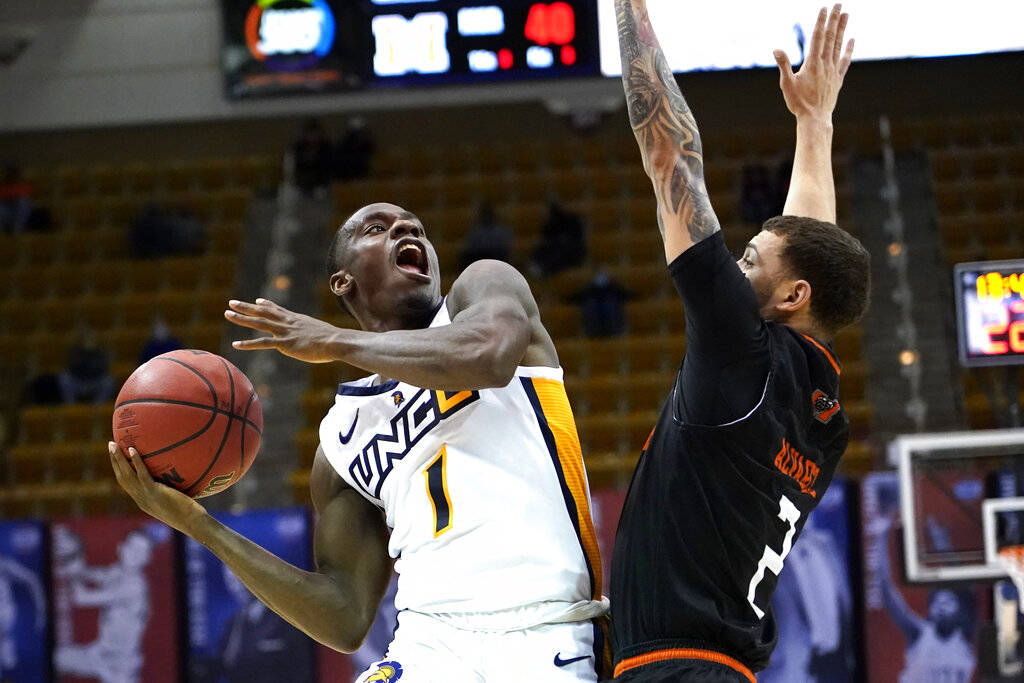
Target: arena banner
column 813, row 601
column 927, row 632
column 115, row 601
column 24, row 655
column 232, row 635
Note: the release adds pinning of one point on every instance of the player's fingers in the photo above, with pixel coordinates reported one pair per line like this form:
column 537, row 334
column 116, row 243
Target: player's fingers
column 817, row 35
column 261, row 324
column 122, row 470
column 254, row 344
column 844, row 63
column 246, row 308
column 837, row 44
column 830, row 32
column 785, row 68
column 141, row 471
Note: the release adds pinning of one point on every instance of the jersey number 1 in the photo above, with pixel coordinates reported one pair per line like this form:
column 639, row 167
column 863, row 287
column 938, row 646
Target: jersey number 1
column 436, row 475
column 771, row 559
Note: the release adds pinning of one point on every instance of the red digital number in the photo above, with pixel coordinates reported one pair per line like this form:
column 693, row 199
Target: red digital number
column 554, row 23
column 1017, row 328
column 997, row 328
column 1014, row 329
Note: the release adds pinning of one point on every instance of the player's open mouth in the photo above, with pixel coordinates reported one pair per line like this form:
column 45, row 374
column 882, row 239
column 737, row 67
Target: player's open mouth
column 412, row 258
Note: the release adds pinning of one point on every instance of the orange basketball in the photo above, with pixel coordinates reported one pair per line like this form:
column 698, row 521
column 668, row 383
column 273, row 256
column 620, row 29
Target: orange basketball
column 193, row 417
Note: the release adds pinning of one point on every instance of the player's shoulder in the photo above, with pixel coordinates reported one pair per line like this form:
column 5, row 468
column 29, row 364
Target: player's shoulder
column 486, row 278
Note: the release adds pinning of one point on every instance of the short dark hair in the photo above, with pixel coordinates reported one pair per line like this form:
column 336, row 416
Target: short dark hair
column 336, row 259
column 834, row 263
column 336, row 252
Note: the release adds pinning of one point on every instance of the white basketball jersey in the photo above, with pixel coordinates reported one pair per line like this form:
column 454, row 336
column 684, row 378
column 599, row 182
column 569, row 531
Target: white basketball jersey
column 934, row 660
column 484, row 491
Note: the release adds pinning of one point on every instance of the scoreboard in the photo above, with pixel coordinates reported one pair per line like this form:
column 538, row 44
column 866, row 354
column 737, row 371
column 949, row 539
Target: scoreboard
column 460, row 41
column 295, row 46
column 990, row 312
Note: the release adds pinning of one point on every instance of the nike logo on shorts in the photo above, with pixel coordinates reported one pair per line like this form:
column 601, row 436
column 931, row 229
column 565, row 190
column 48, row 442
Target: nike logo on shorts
column 566, row 662
column 345, row 438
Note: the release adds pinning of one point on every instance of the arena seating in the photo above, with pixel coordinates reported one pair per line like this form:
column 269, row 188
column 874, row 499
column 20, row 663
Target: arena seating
column 978, row 179
column 78, row 280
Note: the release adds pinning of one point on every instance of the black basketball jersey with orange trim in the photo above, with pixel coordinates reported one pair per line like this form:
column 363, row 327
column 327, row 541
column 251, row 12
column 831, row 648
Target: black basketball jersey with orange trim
column 712, row 511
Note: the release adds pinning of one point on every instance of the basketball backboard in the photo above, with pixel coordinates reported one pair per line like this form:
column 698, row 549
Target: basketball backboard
column 947, row 481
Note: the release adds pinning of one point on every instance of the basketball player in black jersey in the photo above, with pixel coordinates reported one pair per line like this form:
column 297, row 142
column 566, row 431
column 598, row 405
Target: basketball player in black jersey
column 752, row 429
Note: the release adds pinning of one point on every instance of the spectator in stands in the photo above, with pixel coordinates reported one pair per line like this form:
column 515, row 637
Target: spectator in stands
column 758, row 194
column 158, row 233
column 602, row 306
column 87, row 378
column 562, row 242
column 15, row 201
column 160, row 341
column 354, row 151
column 487, row 238
column 312, row 154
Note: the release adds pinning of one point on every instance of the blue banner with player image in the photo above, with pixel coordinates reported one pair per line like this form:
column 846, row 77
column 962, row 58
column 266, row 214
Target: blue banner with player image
column 813, row 602
column 927, row 632
column 232, row 635
column 24, row 654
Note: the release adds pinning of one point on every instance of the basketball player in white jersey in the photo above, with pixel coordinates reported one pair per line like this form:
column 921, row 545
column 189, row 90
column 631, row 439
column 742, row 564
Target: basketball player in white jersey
column 457, row 460
column 939, row 647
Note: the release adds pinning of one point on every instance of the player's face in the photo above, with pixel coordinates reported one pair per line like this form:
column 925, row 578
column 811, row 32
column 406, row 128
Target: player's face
column 762, row 264
column 943, row 605
column 391, row 261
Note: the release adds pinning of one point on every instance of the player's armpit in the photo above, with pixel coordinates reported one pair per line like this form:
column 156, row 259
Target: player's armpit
column 351, row 548
column 666, row 131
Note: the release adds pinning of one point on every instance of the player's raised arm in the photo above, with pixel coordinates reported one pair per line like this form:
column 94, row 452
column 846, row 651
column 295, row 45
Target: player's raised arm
column 495, row 324
column 336, row 604
column 811, row 94
column 666, row 132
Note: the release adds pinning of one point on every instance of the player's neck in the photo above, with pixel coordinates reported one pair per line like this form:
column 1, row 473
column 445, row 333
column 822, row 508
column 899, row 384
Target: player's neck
column 403, row 318
column 805, row 324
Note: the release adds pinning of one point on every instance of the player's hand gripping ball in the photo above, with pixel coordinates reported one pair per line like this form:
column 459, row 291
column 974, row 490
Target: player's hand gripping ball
column 193, row 417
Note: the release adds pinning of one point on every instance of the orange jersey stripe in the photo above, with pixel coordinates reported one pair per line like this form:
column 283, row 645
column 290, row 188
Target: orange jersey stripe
column 828, row 355
column 555, row 405
column 683, row 653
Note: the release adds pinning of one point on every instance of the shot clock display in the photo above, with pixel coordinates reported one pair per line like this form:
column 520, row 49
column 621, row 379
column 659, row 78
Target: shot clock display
column 990, row 312
column 449, row 41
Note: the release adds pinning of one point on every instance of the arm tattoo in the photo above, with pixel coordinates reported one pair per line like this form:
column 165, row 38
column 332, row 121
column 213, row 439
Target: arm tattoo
column 663, row 125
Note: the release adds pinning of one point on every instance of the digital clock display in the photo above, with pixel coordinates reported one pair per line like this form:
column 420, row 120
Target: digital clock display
column 433, row 41
column 990, row 312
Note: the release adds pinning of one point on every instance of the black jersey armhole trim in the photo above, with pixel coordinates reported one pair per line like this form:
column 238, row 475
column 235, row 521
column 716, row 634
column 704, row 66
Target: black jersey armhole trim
column 679, row 422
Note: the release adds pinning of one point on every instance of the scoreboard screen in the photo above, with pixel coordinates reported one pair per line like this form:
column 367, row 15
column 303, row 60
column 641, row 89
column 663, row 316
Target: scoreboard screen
column 990, row 312
column 464, row 41
column 301, row 46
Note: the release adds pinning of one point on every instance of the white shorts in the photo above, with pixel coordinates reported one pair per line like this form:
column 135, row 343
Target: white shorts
column 428, row 650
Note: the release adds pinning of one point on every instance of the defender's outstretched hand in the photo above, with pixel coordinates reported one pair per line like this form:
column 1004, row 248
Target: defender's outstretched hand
column 170, row 506
column 814, row 89
column 293, row 334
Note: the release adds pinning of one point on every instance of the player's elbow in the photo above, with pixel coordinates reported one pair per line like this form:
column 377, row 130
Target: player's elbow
column 351, row 629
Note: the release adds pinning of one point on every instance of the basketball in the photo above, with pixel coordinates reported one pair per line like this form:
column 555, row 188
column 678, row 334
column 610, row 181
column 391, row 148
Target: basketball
column 194, row 418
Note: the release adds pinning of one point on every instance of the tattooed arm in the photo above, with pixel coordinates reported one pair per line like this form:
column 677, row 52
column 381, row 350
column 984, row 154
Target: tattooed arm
column 666, row 132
